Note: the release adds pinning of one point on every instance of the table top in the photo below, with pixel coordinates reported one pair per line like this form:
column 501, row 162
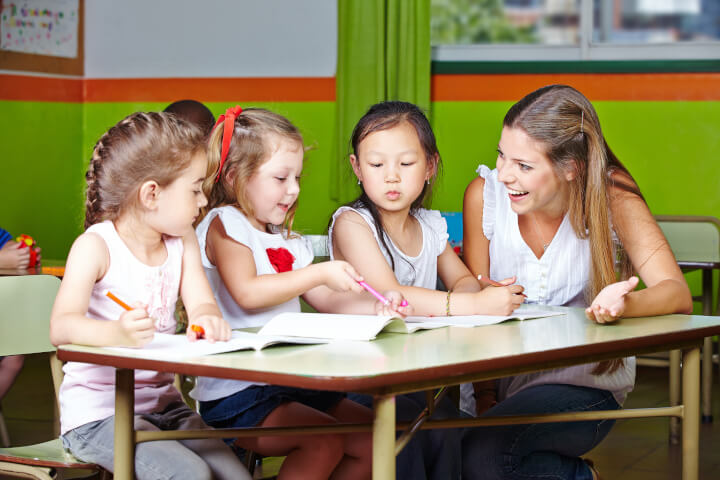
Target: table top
column 448, row 355
column 47, row 267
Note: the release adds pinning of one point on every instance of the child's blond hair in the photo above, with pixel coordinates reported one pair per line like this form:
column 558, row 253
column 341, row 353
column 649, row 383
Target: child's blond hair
column 255, row 135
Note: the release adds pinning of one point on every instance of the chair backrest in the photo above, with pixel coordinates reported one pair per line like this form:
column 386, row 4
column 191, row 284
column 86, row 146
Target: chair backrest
column 692, row 237
column 25, row 305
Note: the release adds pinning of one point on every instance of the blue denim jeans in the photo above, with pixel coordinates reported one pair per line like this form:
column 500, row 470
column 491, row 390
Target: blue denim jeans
column 547, row 451
column 431, row 454
column 206, row 458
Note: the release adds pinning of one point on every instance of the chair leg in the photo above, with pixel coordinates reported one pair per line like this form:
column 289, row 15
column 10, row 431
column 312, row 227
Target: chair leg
column 4, row 436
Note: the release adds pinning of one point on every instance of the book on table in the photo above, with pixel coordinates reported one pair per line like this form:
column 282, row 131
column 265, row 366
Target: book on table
column 315, row 328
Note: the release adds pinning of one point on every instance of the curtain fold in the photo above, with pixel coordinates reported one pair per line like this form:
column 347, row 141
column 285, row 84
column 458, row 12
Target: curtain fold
column 383, row 54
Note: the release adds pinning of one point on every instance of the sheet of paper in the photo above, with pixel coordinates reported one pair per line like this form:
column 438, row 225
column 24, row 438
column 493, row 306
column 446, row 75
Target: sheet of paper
column 480, row 320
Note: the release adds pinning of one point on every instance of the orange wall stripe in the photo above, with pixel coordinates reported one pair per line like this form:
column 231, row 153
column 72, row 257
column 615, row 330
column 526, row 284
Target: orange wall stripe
column 40, row 89
column 306, row 89
column 596, row 86
column 445, row 87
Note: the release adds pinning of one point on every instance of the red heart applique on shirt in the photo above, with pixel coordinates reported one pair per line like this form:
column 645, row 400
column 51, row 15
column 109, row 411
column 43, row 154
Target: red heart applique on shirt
column 280, row 258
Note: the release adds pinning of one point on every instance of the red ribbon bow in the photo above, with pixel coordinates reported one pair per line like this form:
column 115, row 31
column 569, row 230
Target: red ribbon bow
column 228, row 120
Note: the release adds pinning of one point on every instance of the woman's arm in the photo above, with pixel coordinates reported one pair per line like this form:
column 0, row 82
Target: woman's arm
column 87, row 263
column 354, row 242
column 476, row 247
column 651, row 256
column 252, row 291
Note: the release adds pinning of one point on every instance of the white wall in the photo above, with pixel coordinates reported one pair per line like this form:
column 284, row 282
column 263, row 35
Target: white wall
column 210, row 38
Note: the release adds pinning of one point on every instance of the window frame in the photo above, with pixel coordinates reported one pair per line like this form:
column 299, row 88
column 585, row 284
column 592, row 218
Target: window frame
column 586, row 50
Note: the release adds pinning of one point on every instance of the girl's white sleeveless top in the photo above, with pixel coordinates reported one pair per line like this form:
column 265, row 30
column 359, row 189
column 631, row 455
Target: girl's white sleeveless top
column 419, row 271
column 239, row 228
column 559, row 277
column 87, row 393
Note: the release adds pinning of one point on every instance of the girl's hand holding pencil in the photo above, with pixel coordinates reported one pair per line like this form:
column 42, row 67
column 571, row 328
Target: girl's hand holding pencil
column 506, row 296
column 135, row 327
column 209, row 327
column 340, row 276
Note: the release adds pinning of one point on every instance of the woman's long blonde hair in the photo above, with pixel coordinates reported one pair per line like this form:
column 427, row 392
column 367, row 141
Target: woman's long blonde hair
column 562, row 120
column 254, row 134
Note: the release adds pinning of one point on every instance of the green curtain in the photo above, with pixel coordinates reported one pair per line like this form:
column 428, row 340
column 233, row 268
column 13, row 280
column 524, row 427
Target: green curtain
column 383, row 54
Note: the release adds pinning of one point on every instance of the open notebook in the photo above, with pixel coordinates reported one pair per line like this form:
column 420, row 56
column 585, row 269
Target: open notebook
column 315, row 328
column 165, row 346
column 341, row 327
column 522, row 313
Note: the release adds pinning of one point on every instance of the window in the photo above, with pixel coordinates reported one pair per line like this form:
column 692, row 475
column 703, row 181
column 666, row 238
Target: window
column 496, row 30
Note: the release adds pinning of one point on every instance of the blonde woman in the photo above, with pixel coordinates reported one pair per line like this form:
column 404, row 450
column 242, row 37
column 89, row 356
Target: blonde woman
column 561, row 212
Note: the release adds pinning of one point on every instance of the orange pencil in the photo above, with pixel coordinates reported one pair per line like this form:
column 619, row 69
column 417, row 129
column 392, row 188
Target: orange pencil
column 115, row 299
column 124, row 305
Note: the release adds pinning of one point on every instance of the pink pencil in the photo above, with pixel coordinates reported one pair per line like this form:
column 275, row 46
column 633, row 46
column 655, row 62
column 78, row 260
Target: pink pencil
column 378, row 295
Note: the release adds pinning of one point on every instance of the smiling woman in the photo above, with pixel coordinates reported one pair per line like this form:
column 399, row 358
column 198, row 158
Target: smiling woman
column 556, row 212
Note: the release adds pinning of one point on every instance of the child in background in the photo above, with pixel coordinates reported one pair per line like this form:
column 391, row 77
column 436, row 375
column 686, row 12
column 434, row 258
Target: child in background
column 396, row 244
column 194, row 112
column 258, row 268
column 143, row 194
column 13, row 257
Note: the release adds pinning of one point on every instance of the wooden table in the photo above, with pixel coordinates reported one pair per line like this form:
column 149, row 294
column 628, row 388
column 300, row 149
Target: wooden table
column 47, row 267
column 396, row 363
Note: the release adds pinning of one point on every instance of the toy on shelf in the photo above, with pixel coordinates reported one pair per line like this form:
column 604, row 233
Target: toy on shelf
column 26, row 241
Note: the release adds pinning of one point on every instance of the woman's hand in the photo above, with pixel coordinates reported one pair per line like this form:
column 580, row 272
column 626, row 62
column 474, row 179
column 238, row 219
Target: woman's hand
column 609, row 305
column 500, row 300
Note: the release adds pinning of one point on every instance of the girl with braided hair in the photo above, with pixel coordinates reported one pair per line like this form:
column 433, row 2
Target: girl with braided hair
column 143, row 195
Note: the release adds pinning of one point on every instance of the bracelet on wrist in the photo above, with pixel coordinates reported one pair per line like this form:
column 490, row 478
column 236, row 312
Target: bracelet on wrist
column 447, row 303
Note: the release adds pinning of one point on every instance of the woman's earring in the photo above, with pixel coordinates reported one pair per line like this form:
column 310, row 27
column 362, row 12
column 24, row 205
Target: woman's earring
column 428, row 181
column 358, row 181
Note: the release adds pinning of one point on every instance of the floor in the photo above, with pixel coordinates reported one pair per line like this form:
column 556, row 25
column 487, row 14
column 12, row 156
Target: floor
column 635, row 449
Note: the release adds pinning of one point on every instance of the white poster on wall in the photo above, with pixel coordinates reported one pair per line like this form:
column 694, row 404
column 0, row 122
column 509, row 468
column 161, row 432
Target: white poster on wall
column 45, row 27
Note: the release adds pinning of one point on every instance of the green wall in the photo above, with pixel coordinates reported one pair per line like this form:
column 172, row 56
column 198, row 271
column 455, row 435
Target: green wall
column 40, row 177
column 669, row 147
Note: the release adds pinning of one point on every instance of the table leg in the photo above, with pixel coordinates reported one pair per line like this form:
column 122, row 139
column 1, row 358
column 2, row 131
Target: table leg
column 124, row 424
column 674, row 395
column 691, row 416
column 383, row 467
column 707, row 365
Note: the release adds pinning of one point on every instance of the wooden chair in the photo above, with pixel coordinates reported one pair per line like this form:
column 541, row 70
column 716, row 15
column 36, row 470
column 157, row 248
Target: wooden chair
column 25, row 322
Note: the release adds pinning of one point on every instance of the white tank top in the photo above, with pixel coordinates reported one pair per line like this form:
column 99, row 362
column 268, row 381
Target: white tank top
column 419, row 271
column 87, row 393
column 559, row 277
